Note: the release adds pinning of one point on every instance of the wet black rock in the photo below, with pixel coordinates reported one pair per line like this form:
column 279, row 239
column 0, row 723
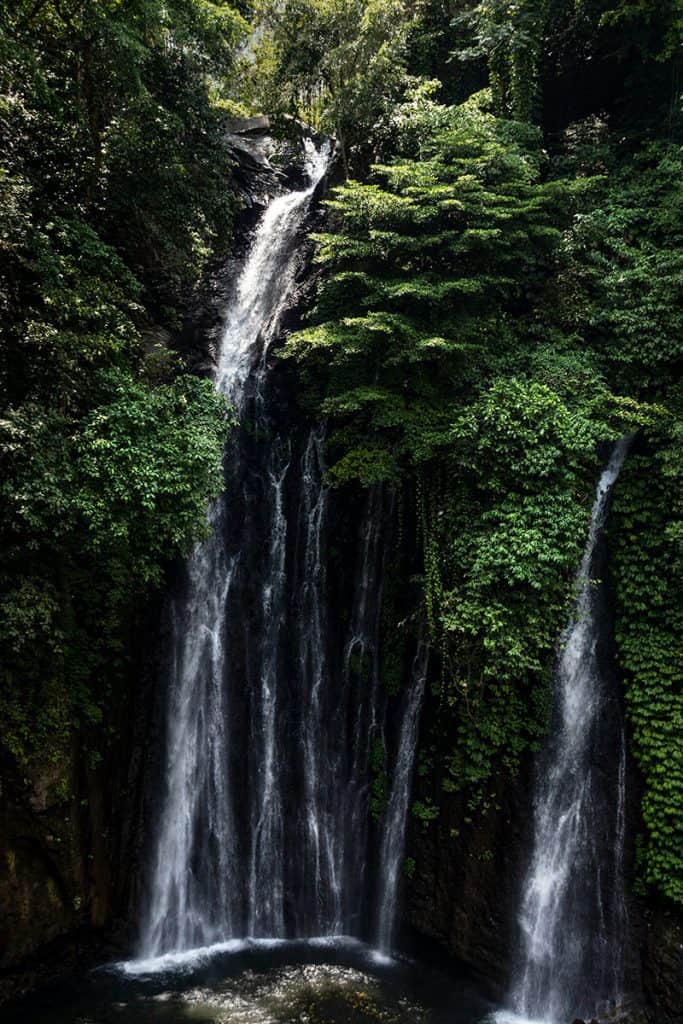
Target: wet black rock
column 663, row 965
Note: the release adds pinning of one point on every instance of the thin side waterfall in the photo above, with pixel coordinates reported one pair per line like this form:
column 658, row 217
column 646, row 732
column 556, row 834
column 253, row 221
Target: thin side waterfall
column 197, row 880
column 266, row 875
column 319, row 832
column 573, row 915
column 393, row 839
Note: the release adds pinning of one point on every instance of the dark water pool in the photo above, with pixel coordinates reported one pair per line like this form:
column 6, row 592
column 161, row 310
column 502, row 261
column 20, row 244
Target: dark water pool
column 266, row 983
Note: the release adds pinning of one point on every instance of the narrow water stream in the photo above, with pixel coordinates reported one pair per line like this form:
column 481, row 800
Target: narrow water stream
column 393, row 838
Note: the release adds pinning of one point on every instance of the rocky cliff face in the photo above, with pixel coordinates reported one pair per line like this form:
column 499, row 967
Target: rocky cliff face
column 41, row 868
column 465, row 885
column 68, row 837
column 663, row 964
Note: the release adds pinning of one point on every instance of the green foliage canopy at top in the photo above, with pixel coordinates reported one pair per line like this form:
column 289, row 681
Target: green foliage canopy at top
column 339, row 64
column 105, row 112
column 438, row 269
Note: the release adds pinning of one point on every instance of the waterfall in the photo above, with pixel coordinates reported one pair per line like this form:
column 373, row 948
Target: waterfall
column 393, row 839
column 196, row 876
column 319, row 835
column 573, row 916
column 266, row 874
column 263, row 828
column 360, row 707
column 338, row 717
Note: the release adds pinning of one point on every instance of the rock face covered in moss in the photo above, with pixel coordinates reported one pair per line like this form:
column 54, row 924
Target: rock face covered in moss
column 465, row 886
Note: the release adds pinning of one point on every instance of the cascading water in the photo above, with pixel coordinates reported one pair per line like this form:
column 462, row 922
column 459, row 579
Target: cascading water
column 266, row 873
column 338, row 718
column 196, row 879
column 264, row 829
column 319, row 831
column 360, row 708
column 572, row 916
column 393, row 838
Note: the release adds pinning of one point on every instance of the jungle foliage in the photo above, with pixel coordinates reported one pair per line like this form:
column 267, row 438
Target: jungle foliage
column 114, row 189
column 498, row 302
column 647, row 533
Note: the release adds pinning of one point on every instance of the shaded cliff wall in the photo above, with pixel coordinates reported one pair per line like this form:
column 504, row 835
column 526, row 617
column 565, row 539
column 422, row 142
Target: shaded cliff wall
column 464, row 889
column 41, row 864
column 68, row 835
column 663, row 964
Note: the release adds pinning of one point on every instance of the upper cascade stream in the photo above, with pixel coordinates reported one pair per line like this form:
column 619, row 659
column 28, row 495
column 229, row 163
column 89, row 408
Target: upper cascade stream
column 573, row 916
column 263, row 829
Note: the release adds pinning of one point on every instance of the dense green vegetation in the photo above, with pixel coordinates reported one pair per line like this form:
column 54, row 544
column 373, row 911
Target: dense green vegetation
column 114, row 189
column 341, row 65
column 501, row 295
column 646, row 539
column 498, row 300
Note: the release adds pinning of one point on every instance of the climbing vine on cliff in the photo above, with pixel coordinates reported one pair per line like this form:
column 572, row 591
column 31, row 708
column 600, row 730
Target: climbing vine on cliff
column 647, row 544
